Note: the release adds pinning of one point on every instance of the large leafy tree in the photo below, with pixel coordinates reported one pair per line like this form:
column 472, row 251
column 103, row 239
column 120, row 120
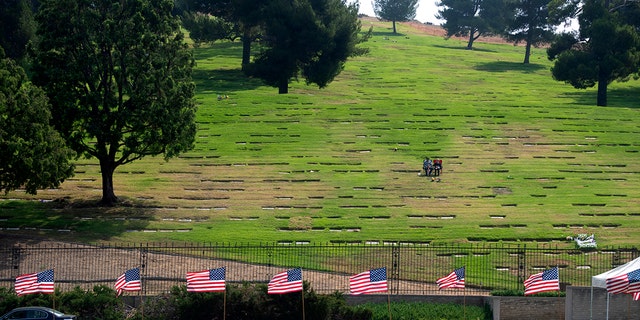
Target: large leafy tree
column 17, row 27
column 533, row 21
column 395, row 10
column 118, row 74
column 33, row 155
column 472, row 18
column 606, row 49
column 310, row 38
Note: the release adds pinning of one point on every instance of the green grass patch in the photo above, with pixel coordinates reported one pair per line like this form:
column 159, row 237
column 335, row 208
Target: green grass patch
column 526, row 159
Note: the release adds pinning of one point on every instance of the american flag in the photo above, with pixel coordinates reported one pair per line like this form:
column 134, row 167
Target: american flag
column 454, row 280
column 374, row 280
column 636, row 296
column 210, row 280
column 129, row 281
column 628, row 282
column 547, row 280
column 39, row 282
column 285, row 282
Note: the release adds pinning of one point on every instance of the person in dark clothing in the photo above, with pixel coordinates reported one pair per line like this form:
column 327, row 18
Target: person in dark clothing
column 427, row 166
column 437, row 166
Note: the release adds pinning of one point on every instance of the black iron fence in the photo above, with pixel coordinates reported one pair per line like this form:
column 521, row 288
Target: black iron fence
column 411, row 268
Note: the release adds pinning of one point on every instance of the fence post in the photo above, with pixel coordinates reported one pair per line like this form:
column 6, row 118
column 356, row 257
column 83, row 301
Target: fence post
column 395, row 268
column 616, row 258
column 143, row 264
column 15, row 259
column 522, row 263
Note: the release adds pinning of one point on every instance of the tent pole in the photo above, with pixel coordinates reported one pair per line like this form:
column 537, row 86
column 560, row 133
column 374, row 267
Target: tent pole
column 591, row 305
column 607, row 305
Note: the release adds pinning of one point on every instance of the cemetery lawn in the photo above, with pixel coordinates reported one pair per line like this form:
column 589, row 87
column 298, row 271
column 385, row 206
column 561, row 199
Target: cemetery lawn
column 527, row 159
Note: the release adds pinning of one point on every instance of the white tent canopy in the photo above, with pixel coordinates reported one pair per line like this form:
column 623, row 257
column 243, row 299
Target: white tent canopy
column 600, row 281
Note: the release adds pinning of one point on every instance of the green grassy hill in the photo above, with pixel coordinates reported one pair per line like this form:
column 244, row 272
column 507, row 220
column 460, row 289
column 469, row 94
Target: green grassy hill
column 526, row 158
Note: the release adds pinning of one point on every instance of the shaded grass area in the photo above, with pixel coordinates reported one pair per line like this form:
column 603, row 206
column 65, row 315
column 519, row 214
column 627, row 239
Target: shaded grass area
column 526, row 158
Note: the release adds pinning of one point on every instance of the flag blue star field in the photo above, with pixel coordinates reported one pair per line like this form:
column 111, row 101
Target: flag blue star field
column 374, row 280
column 210, row 280
column 39, row 282
column 285, row 282
column 547, row 280
column 455, row 280
column 129, row 281
column 624, row 283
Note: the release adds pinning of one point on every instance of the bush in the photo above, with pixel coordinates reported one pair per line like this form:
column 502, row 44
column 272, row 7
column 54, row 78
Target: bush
column 516, row 293
column 100, row 304
column 249, row 302
column 436, row 311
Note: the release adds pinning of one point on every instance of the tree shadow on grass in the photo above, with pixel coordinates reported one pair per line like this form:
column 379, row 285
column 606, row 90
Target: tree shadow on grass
column 220, row 49
column 616, row 98
column 387, row 34
column 66, row 220
column 220, row 81
column 464, row 48
column 504, row 66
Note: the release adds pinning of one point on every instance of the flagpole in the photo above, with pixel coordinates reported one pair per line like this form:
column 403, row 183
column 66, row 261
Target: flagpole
column 559, row 289
column 464, row 303
column 464, row 297
column 389, row 304
column 140, row 295
column 303, row 313
column 53, row 298
column 224, row 305
column 629, row 306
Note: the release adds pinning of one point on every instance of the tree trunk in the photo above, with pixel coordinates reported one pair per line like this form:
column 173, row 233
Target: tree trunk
column 246, row 47
column 470, row 43
column 283, row 87
column 602, row 93
column 394, row 27
column 602, row 88
column 107, row 167
column 527, row 52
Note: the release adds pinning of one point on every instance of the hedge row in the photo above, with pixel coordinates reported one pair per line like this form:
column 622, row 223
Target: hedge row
column 246, row 301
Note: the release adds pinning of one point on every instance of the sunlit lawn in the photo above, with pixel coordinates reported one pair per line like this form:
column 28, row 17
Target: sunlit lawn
column 526, row 158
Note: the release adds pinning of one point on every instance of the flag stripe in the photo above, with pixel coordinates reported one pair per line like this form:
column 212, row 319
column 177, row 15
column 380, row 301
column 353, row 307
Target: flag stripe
column 547, row 280
column 454, row 280
column 624, row 283
column 285, row 282
column 41, row 282
column 211, row 280
column 129, row 281
column 374, row 280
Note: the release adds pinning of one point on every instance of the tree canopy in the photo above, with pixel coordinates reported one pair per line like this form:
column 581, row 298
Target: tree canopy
column 33, row 155
column 606, row 49
column 395, row 10
column 308, row 38
column 118, row 74
column 472, row 18
column 18, row 27
column 533, row 21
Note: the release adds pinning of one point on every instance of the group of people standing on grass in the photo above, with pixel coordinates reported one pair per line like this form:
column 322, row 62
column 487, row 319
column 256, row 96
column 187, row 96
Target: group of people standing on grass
column 432, row 168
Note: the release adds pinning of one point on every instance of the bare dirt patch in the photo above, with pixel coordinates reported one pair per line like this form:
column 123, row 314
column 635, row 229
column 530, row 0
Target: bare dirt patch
column 432, row 29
